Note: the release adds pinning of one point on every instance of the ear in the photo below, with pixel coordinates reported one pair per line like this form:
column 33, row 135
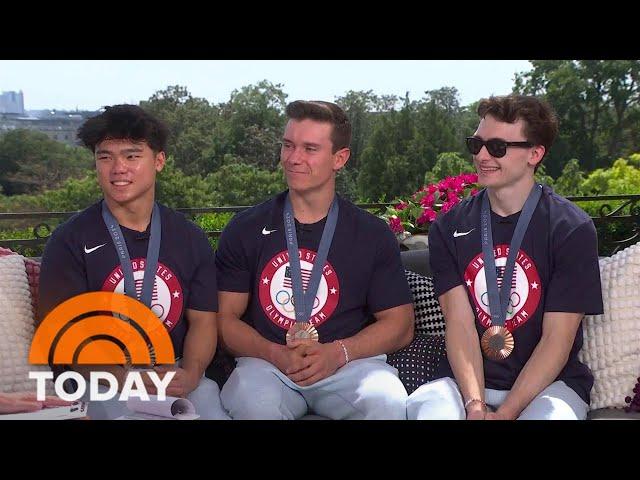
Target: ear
column 537, row 154
column 160, row 161
column 340, row 158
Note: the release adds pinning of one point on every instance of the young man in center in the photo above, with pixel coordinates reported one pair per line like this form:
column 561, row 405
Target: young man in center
column 312, row 333
column 516, row 269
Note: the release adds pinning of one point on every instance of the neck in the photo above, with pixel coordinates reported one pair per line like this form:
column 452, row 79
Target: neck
column 311, row 207
column 510, row 199
column 134, row 215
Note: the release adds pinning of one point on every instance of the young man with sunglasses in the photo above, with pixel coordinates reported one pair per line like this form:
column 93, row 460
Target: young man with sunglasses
column 515, row 269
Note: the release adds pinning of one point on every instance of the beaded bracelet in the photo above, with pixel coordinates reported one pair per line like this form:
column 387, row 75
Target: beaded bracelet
column 473, row 400
column 344, row 349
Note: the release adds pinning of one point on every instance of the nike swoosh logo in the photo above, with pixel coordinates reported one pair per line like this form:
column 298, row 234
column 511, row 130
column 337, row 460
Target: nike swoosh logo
column 266, row 232
column 462, row 234
column 89, row 250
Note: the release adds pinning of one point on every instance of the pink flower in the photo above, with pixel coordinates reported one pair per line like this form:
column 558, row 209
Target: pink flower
column 446, row 206
column 432, row 189
column 444, row 184
column 427, row 200
column 396, row 225
column 453, row 198
column 401, row 206
column 471, row 178
column 428, row 215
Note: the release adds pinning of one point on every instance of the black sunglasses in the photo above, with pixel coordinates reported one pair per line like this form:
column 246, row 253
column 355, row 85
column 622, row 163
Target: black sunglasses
column 496, row 147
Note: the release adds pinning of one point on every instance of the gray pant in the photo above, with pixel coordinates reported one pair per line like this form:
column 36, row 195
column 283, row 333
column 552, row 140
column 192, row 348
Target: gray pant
column 441, row 400
column 205, row 399
column 367, row 388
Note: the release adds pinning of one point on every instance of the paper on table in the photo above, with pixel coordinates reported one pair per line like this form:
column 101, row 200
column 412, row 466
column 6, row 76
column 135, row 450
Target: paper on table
column 171, row 408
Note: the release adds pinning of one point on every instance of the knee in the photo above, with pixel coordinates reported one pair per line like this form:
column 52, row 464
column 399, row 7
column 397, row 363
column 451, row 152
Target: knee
column 384, row 398
column 556, row 402
column 246, row 399
column 206, row 400
column 437, row 400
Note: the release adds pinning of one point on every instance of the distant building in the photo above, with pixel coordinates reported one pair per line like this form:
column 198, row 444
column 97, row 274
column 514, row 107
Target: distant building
column 59, row 125
column 12, row 102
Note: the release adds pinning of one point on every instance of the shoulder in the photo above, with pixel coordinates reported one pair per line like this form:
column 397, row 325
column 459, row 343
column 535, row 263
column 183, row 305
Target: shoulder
column 358, row 217
column 254, row 217
column 464, row 214
column 87, row 220
column 177, row 221
column 565, row 217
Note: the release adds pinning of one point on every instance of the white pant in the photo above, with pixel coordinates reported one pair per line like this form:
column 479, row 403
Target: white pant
column 441, row 400
column 367, row 388
column 205, row 399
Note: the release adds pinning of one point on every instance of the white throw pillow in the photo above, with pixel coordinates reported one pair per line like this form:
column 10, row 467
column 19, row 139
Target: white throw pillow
column 16, row 328
column 612, row 341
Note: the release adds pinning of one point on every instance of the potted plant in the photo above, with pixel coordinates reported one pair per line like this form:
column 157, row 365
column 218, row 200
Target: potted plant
column 410, row 218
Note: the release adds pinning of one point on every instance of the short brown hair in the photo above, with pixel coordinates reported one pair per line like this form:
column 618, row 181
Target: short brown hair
column 324, row 112
column 540, row 121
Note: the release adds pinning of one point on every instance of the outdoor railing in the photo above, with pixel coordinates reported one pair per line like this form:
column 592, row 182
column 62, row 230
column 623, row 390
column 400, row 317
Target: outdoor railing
column 621, row 210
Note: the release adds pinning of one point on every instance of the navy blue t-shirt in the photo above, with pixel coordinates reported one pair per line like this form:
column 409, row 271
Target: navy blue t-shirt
column 363, row 273
column 556, row 271
column 80, row 257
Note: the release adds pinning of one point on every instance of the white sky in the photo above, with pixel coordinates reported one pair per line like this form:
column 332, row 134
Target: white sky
column 91, row 84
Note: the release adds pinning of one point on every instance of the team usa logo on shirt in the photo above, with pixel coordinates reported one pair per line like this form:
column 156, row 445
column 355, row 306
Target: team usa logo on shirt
column 166, row 299
column 276, row 290
column 526, row 289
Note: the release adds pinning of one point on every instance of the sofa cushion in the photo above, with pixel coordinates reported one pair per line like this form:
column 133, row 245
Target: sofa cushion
column 612, row 341
column 16, row 325
column 428, row 316
column 417, row 362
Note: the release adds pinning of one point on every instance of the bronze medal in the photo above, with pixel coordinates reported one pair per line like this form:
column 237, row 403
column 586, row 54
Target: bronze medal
column 302, row 331
column 497, row 343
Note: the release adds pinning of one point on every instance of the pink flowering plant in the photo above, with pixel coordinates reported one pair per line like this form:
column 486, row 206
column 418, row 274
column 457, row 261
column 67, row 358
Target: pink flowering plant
column 414, row 214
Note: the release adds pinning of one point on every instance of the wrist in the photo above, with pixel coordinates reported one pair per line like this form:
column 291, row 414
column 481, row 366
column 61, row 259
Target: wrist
column 475, row 404
column 272, row 351
column 343, row 353
column 506, row 413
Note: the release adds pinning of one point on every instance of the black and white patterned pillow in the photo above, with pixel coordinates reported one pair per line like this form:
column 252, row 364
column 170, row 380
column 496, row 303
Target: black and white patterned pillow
column 417, row 362
column 429, row 318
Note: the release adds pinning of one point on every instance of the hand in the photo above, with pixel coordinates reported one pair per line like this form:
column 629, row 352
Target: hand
column 320, row 361
column 476, row 411
column 288, row 358
column 181, row 385
column 26, row 402
column 477, row 415
column 498, row 415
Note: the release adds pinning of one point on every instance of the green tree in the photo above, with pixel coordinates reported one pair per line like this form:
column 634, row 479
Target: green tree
column 178, row 190
column 237, row 183
column 194, row 142
column 31, row 162
column 542, row 177
column 362, row 108
column 252, row 123
column 448, row 164
column 623, row 177
column 570, row 182
column 597, row 103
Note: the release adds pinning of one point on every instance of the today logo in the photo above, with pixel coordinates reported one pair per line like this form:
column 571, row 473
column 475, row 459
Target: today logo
column 101, row 328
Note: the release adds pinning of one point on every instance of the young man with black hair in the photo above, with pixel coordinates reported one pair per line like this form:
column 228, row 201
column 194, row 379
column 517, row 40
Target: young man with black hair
column 170, row 259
